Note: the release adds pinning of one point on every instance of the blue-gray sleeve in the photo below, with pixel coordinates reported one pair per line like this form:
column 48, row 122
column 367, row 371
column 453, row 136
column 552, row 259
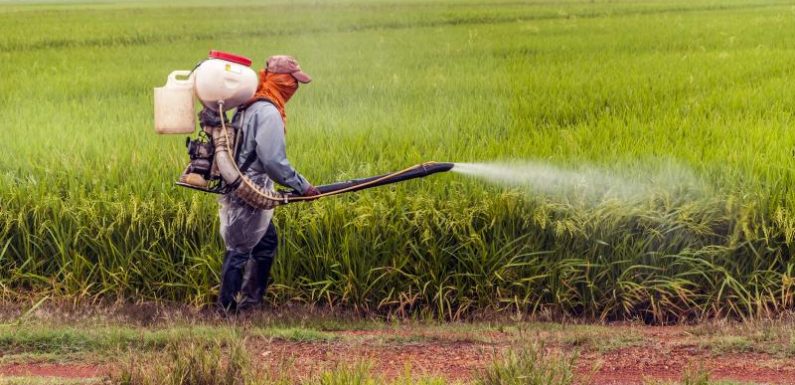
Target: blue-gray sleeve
column 272, row 153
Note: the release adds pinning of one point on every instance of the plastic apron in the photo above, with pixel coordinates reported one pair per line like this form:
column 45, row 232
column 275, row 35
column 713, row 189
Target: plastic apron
column 242, row 226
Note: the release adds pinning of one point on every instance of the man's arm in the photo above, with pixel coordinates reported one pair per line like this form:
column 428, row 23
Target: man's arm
column 272, row 153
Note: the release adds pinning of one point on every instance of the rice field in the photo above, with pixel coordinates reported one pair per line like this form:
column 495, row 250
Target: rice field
column 88, row 208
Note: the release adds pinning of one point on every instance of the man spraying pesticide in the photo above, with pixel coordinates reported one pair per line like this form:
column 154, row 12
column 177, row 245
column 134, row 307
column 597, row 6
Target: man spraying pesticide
column 249, row 233
column 243, row 159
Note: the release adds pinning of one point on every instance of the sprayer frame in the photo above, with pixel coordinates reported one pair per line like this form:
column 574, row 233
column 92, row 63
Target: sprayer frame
column 231, row 180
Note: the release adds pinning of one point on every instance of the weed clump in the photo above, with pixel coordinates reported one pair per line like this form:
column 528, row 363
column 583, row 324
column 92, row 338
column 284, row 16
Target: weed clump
column 190, row 364
column 533, row 365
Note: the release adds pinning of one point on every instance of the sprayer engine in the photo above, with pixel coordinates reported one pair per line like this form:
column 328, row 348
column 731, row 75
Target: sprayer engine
column 201, row 173
column 201, row 156
column 207, row 171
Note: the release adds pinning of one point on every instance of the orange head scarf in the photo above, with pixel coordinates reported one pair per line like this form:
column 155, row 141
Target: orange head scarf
column 277, row 89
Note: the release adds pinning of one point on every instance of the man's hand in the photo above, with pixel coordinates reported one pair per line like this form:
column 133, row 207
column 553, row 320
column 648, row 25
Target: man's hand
column 311, row 191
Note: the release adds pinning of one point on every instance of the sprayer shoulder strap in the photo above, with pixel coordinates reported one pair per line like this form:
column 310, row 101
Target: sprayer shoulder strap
column 252, row 156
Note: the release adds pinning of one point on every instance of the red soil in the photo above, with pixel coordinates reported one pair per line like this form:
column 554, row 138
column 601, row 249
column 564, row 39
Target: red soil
column 639, row 365
column 53, row 370
column 455, row 361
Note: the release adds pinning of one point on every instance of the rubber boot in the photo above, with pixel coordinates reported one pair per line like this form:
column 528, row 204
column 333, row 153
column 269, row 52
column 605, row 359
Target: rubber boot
column 260, row 268
column 231, row 280
column 260, row 279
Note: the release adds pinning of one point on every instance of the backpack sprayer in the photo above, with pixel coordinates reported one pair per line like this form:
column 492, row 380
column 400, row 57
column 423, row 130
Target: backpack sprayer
column 222, row 82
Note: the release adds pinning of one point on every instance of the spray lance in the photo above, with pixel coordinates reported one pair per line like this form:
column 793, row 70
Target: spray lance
column 222, row 82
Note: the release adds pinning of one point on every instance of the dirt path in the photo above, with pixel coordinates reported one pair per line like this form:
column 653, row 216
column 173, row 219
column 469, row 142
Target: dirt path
column 655, row 354
column 454, row 361
column 53, row 370
column 639, row 365
column 668, row 353
column 462, row 361
column 663, row 355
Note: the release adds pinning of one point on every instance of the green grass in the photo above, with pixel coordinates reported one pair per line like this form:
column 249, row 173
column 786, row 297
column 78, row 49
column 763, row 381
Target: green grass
column 45, row 340
column 88, row 208
column 294, row 334
column 600, row 339
column 99, row 339
column 774, row 337
column 63, row 340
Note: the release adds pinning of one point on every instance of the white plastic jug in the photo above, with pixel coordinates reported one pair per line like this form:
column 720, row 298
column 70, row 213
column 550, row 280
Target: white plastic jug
column 175, row 112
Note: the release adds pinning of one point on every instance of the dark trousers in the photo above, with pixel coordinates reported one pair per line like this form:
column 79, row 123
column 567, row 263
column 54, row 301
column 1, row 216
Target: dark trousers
column 233, row 268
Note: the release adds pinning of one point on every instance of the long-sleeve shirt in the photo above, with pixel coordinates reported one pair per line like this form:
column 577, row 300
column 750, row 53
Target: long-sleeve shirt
column 263, row 135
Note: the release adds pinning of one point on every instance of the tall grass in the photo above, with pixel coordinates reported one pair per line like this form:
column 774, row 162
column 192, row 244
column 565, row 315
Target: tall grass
column 88, row 208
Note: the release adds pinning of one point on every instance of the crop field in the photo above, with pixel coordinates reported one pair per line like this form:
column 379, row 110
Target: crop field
column 619, row 164
column 89, row 211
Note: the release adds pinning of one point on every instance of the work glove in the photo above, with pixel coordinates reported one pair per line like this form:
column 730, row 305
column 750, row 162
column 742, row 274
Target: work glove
column 311, row 191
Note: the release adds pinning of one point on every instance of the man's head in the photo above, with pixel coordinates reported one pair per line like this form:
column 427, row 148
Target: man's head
column 282, row 73
column 278, row 81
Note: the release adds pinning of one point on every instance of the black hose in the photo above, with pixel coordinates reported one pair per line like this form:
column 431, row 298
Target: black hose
column 419, row 171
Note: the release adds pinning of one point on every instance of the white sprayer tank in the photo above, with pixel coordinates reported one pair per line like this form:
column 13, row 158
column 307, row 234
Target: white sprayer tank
column 174, row 106
column 225, row 78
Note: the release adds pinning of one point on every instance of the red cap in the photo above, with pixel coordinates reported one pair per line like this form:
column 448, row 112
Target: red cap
column 283, row 64
column 242, row 60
